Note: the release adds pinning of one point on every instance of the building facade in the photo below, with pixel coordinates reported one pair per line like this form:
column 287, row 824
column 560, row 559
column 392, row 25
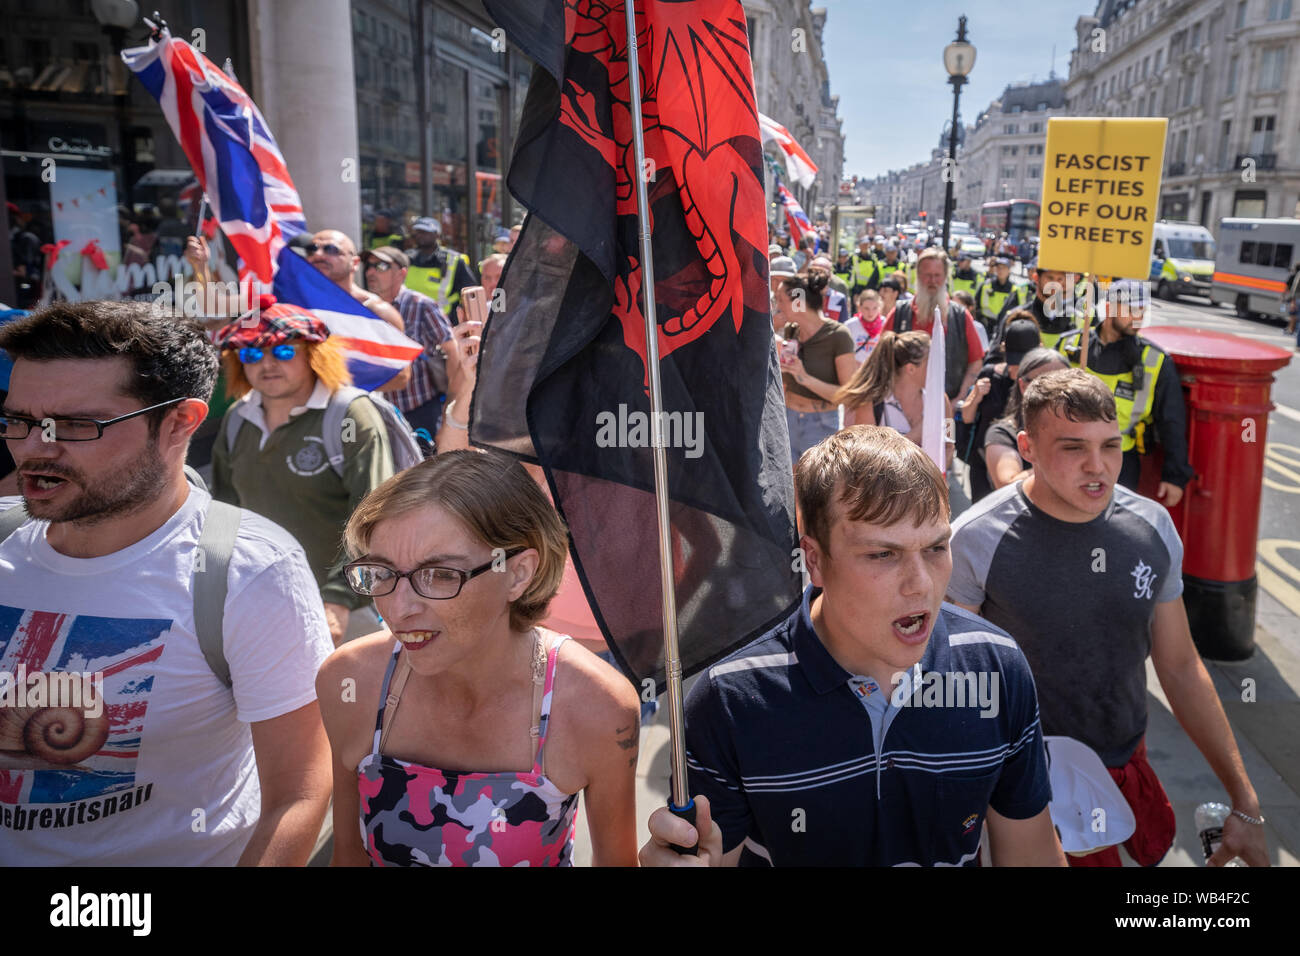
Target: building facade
column 419, row 99
column 1226, row 75
column 792, row 86
column 1003, row 155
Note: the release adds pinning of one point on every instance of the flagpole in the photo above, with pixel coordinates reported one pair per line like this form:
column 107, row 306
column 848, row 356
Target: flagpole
column 680, row 803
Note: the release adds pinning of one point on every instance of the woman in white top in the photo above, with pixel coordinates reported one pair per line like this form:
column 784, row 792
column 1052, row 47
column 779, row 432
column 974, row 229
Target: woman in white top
column 889, row 387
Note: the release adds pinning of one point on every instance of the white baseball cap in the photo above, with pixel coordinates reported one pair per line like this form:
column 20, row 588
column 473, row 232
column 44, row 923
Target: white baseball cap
column 1082, row 786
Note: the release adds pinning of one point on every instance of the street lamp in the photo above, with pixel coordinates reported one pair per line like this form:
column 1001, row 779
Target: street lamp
column 958, row 59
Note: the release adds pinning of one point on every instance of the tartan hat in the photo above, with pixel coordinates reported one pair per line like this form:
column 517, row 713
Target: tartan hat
column 276, row 324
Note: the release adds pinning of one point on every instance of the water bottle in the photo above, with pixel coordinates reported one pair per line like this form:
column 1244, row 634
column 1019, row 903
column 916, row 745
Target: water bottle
column 1209, row 824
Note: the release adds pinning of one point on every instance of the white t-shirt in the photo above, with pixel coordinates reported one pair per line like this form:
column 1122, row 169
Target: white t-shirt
column 175, row 780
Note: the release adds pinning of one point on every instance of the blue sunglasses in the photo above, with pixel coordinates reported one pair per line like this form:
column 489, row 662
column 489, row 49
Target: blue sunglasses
column 251, row 356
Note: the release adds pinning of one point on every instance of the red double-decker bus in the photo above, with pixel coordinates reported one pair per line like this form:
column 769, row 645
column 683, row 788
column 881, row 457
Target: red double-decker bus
column 1018, row 218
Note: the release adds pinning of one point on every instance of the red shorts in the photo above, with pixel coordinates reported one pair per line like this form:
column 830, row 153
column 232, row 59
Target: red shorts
column 1154, row 834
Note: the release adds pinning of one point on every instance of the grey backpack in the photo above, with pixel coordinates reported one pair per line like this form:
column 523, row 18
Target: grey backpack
column 401, row 439
column 216, row 542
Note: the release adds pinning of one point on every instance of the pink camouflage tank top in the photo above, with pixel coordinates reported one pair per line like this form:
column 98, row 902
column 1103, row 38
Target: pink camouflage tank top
column 413, row 815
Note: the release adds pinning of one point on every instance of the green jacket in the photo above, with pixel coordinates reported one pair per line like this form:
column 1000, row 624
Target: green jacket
column 289, row 481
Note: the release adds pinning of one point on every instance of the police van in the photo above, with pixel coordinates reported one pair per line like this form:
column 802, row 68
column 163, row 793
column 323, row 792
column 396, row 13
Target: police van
column 1255, row 258
column 1182, row 259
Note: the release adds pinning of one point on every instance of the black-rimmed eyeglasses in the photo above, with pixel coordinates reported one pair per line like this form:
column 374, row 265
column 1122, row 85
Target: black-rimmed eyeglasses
column 437, row 584
column 18, row 427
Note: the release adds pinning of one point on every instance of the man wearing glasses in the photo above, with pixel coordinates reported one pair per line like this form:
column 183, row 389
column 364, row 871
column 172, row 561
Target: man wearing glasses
column 270, row 454
column 163, row 763
column 421, row 399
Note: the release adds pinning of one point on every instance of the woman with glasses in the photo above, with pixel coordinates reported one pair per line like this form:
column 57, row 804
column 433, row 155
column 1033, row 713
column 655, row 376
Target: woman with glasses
column 464, row 733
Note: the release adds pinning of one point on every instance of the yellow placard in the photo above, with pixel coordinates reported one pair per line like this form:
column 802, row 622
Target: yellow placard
column 1101, row 186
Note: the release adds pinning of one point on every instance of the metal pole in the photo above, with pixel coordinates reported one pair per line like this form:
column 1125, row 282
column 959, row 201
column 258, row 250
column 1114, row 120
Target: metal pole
column 956, row 82
column 672, row 656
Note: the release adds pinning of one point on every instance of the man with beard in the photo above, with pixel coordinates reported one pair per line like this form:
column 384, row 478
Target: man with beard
column 1145, row 383
column 961, row 339
column 173, row 765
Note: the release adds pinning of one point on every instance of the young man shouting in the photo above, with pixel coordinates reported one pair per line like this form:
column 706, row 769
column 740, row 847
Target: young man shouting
column 876, row 726
column 1115, row 598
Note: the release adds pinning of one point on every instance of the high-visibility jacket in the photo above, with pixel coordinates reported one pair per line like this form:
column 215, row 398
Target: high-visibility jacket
column 1052, row 339
column 968, row 283
column 844, row 271
column 1134, row 390
column 884, row 270
column 1050, row 327
column 864, row 270
column 436, row 276
column 391, row 239
column 991, row 297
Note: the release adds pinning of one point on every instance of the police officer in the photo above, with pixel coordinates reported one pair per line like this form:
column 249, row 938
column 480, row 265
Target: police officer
column 1054, row 307
column 889, row 265
column 998, row 293
column 384, row 231
column 864, row 267
column 842, row 271
column 965, row 278
column 1144, row 381
column 435, row 270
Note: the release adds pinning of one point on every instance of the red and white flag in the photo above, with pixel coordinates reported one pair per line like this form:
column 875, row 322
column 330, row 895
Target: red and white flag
column 798, row 165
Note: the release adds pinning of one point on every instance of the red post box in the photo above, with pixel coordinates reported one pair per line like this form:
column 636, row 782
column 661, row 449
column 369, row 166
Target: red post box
column 1227, row 382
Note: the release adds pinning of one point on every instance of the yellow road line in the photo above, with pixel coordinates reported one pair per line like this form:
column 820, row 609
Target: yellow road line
column 1278, row 587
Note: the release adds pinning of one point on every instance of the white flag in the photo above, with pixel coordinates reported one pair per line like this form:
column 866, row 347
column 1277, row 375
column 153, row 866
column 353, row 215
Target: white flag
column 932, row 430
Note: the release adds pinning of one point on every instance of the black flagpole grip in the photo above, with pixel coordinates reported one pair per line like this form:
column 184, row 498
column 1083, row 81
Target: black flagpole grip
column 686, row 813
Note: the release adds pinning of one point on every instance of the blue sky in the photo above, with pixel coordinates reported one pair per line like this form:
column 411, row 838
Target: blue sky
column 887, row 57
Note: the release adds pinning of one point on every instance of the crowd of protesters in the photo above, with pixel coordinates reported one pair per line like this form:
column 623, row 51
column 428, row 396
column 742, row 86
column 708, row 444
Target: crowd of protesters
column 409, row 638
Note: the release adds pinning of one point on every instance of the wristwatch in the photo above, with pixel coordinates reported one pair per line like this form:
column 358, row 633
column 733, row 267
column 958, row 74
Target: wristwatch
column 958, row 405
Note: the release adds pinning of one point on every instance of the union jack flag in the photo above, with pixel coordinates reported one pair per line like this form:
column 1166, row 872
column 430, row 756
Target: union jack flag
column 230, row 148
column 794, row 213
column 125, row 651
column 242, row 171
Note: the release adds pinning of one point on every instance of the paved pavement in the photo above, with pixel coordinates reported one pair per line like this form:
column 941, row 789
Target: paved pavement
column 1267, row 727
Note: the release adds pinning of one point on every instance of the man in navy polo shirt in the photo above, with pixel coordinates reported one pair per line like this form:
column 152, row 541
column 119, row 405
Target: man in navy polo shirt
column 876, row 726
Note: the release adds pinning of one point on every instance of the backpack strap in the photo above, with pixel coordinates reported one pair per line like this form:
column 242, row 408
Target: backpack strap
column 12, row 519
column 216, row 544
column 332, row 427
column 194, row 478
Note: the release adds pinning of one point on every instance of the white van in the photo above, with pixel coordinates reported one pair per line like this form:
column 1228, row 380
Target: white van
column 1182, row 259
column 1255, row 257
